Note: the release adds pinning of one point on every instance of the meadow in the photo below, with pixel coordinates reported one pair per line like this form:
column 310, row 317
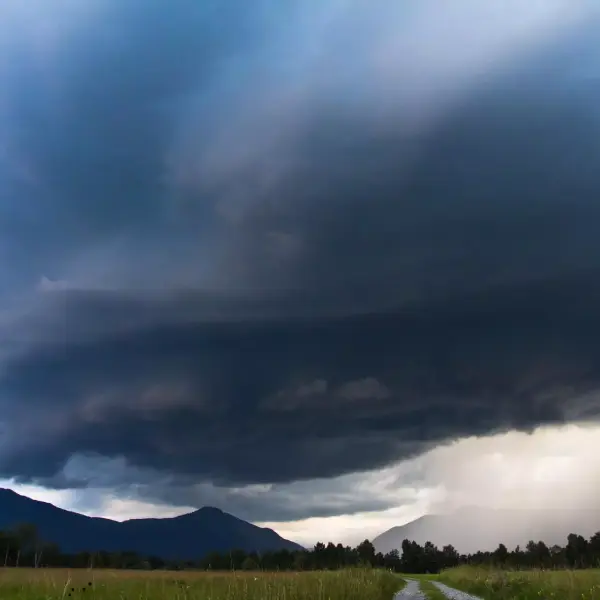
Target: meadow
column 493, row 584
column 78, row 584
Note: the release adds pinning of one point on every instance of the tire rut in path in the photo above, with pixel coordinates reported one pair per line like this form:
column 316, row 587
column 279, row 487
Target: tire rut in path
column 411, row 591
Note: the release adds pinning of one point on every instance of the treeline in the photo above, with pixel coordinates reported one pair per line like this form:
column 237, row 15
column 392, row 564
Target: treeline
column 22, row 546
column 578, row 553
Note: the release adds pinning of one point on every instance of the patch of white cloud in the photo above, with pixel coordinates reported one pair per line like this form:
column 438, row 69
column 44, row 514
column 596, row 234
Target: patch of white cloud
column 52, row 285
column 97, row 502
column 121, row 509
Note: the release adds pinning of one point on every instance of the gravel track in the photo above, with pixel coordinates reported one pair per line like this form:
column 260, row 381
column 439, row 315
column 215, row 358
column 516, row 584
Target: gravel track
column 412, row 591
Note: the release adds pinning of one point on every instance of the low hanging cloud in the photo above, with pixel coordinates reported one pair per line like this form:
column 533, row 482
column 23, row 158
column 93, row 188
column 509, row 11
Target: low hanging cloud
column 256, row 245
column 553, row 470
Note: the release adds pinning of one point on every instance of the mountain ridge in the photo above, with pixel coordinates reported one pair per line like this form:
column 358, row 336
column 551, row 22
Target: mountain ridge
column 188, row 536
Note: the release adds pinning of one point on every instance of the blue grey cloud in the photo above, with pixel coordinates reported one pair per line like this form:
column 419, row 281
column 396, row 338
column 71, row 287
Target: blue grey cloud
column 259, row 244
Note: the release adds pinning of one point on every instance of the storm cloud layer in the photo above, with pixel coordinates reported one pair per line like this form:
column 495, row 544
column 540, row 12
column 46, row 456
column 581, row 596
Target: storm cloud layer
column 254, row 243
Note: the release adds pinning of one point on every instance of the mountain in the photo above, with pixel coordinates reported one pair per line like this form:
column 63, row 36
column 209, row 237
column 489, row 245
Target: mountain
column 188, row 536
column 475, row 528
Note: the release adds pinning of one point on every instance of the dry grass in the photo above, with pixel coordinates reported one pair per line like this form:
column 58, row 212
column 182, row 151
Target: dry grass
column 54, row 584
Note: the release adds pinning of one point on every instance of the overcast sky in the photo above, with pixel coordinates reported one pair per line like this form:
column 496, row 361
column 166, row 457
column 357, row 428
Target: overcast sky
column 326, row 265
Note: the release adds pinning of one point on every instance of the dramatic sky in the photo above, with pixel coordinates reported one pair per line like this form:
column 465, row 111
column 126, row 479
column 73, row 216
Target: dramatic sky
column 324, row 264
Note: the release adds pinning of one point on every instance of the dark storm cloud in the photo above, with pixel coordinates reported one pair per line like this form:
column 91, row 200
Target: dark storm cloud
column 256, row 265
column 260, row 402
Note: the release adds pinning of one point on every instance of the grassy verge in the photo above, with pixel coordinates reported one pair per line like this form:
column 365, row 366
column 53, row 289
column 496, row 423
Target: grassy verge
column 58, row 584
column 399, row 585
column 492, row 584
column 431, row 591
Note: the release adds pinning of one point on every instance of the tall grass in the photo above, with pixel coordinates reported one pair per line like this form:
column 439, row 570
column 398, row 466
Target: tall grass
column 493, row 584
column 60, row 584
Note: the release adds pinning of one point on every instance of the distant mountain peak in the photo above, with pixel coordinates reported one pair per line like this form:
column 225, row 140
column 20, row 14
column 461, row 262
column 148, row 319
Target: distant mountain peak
column 474, row 528
column 209, row 510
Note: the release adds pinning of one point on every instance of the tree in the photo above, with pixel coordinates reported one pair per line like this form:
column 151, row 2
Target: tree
column 28, row 541
column 501, row 554
column 594, row 550
column 300, row 561
column 366, row 553
column 576, row 551
column 450, row 557
column 392, row 560
column 249, row 564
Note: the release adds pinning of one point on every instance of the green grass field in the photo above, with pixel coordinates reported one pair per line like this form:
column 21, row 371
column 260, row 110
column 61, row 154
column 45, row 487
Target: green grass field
column 54, row 584
column 354, row 584
column 493, row 584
